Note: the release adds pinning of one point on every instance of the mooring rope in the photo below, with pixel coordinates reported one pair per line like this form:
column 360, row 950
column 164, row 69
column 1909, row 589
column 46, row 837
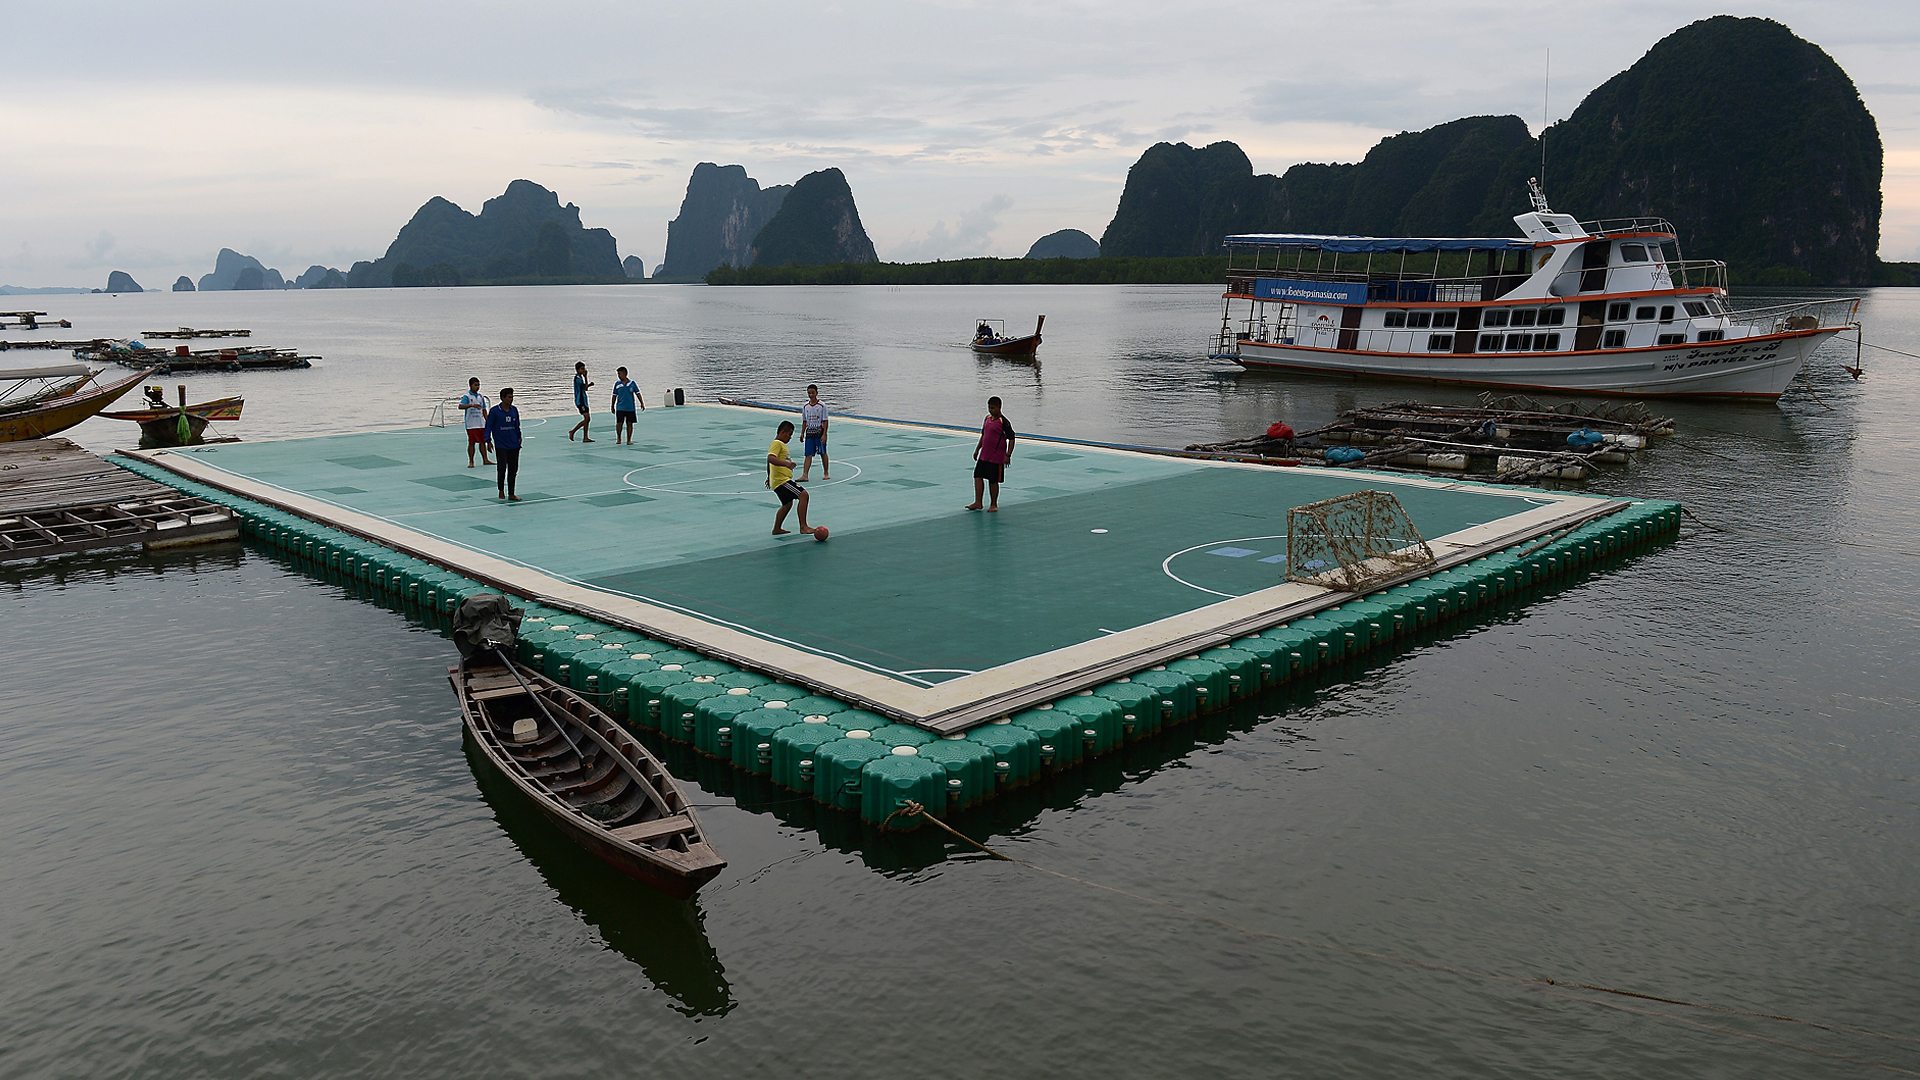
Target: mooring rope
column 1896, row 352
column 914, row 809
column 1885, row 549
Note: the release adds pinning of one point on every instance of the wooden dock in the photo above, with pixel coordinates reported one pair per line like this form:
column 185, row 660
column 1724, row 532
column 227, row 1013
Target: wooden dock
column 56, row 499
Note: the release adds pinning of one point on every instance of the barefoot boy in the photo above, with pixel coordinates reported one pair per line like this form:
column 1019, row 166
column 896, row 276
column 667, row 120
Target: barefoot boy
column 813, row 430
column 626, row 393
column 780, row 479
column 475, row 405
column 581, row 384
column 991, row 456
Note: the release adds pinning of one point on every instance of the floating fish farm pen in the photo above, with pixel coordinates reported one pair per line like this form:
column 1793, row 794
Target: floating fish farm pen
column 926, row 655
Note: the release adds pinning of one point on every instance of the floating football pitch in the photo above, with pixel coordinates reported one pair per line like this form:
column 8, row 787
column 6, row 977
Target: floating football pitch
column 916, row 605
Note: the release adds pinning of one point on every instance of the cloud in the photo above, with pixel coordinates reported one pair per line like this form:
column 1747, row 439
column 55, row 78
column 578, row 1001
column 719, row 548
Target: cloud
column 98, row 247
column 970, row 238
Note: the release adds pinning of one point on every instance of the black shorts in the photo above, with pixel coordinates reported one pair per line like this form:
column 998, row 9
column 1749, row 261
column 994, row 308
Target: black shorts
column 788, row 492
column 989, row 470
column 584, row 411
column 627, row 415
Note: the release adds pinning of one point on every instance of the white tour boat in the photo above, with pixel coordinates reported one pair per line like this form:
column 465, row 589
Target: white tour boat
column 1601, row 307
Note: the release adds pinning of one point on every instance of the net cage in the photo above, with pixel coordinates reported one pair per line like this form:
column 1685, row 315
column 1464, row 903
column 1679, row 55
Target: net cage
column 1353, row 542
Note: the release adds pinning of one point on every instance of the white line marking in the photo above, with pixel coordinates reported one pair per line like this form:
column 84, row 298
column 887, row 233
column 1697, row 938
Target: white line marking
column 1166, row 564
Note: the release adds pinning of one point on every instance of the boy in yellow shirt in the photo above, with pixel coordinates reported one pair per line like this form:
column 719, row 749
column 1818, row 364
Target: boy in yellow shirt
column 780, row 479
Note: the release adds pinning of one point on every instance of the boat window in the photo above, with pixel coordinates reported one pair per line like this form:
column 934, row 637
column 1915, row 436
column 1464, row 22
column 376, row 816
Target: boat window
column 1489, row 342
column 1712, row 335
column 1525, row 316
column 1420, row 319
column 1614, row 339
column 1494, row 317
column 1395, row 319
column 1439, row 342
column 1553, row 316
column 1633, row 253
column 1643, row 313
column 1519, row 342
column 1671, row 339
column 1546, row 342
column 1695, row 308
column 1666, row 313
column 1445, row 319
column 1618, row 311
column 1670, row 251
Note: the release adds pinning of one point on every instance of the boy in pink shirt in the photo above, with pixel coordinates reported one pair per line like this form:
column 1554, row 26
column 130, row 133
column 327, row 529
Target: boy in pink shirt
column 991, row 457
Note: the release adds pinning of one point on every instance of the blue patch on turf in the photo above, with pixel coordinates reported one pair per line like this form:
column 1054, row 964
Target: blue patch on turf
column 1232, row 552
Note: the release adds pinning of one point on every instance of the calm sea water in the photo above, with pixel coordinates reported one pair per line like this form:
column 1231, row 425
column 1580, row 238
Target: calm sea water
column 239, row 835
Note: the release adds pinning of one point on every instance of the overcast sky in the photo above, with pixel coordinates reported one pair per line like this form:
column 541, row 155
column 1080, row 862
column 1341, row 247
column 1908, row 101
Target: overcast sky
column 146, row 136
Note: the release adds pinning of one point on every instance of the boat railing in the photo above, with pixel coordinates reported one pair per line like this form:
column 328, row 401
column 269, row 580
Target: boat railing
column 1616, row 226
column 1411, row 287
column 1697, row 274
column 1606, row 280
column 1799, row 313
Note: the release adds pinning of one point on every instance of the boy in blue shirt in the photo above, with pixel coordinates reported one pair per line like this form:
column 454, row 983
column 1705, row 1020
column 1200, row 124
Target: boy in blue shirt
column 581, row 385
column 503, row 428
column 625, row 393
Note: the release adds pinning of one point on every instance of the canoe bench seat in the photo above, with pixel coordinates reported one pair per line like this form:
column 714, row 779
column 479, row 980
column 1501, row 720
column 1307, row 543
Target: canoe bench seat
column 653, row 830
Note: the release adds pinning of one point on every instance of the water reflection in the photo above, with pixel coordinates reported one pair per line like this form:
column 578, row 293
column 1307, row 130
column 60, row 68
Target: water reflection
column 666, row 937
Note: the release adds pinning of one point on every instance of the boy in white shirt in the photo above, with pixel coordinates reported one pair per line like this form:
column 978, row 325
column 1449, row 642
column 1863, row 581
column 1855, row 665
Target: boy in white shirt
column 813, row 428
column 474, row 403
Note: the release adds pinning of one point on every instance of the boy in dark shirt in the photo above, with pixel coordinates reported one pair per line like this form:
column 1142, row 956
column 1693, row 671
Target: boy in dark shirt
column 503, row 429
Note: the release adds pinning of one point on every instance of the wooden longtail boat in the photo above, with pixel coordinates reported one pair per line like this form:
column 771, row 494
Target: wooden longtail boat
column 63, row 409
column 25, row 388
column 988, row 341
column 584, row 773
column 160, row 425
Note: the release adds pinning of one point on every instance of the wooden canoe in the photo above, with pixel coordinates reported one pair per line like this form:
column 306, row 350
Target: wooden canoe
column 61, row 412
column 586, row 775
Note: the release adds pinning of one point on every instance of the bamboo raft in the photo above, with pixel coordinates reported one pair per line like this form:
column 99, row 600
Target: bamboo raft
column 1508, row 439
column 189, row 332
column 29, row 320
column 54, row 343
column 181, row 361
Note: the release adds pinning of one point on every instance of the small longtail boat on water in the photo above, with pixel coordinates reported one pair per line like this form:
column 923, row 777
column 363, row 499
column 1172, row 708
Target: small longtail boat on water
column 572, row 762
column 35, row 402
column 178, row 425
column 989, row 339
column 1597, row 307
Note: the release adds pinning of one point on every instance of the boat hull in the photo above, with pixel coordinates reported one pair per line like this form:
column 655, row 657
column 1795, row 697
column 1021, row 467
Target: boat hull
column 1755, row 368
column 1025, row 346
column 64, row 411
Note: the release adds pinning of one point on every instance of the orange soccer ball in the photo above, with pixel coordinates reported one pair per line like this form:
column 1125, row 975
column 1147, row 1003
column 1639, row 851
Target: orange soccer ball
column 820, row 532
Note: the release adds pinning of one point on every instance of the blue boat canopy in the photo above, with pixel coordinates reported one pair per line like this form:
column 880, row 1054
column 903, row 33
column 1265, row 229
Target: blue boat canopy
column 1360, row 245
